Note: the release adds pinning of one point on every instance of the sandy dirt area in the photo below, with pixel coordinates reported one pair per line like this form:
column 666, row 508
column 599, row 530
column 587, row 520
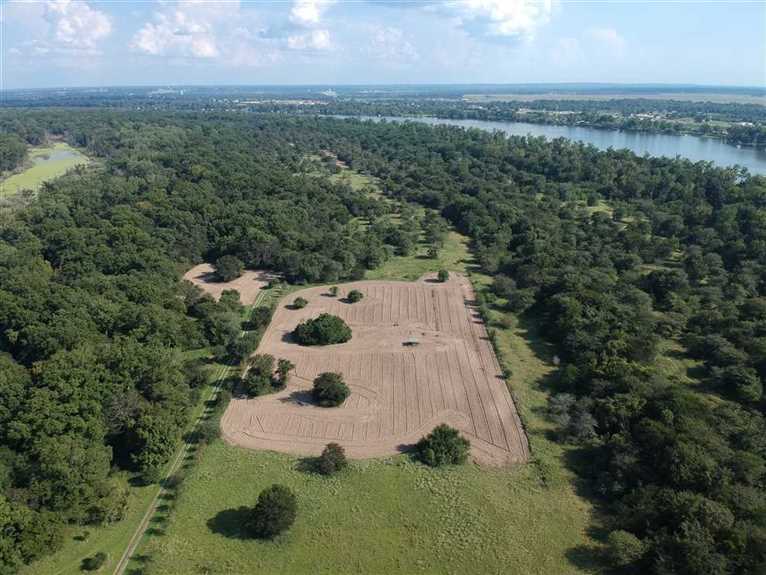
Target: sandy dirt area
column 398, row 392
column 248, row 284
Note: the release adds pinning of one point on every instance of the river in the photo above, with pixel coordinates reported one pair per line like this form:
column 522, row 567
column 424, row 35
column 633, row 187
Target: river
column 694, row 148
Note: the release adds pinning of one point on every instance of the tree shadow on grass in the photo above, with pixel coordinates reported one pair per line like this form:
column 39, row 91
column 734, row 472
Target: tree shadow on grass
column 231, row 523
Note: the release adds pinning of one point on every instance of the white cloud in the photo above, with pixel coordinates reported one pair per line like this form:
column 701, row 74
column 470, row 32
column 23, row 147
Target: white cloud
column 309, row 13
column 390, row 45
column 186, row 28
column 503, row 18
column 313, row 40
column 59, row 27
column 608, row 37
column 76, row 25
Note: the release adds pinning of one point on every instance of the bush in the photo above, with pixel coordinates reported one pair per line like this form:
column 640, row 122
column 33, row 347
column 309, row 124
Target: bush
column 334, row 291
column 442, row 275
column 624, row 548
column 274, row 512
column 444, row 445
column 330, row 390
column 208, row 431
column 332, row 460
column 93, row 563
column 299, row 303
column 228, row 268
column 324, row 330
column 354, row 296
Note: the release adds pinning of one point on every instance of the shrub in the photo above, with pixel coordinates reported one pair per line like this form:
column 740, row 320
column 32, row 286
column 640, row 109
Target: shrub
column 354, row 296
column 324, row 330
column 93, row 563
column 332, row 460
column 228, row 268
column 274, row 512
column 624, row 548
column 299, row 303
column 208, row 431
column 444, row 445
column 334, row 291
column 442, row 275
column 284, row 367
column 330, row 390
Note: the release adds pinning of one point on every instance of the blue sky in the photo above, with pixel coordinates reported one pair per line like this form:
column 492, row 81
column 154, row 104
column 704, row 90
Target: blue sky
column 130, row 42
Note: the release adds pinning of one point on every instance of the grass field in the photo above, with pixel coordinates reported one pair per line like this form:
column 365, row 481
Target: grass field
column 45, row 163
column 392, row 515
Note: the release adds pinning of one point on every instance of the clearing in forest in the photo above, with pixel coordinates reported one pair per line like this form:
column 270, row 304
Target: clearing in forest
column 249, row 284
column 419, row 356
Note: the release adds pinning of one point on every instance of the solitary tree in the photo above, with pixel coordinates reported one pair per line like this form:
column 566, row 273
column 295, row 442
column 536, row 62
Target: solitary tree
column 442, row 276
column 444, row 445
column 354, row 296
column 300, row 303
column 332, row 460
column 323, row 330
column 334, row 291
column 274, row 512
column 330, row 390
column 228, row 268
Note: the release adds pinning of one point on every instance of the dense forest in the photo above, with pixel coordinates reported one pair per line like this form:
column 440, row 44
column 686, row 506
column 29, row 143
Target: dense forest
column 615, row 255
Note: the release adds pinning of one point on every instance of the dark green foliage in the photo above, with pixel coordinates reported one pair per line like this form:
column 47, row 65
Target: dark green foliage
column 259, row 318
column 94, row 563
column 443, row 446
column 330, row 390
column 442, row 275
column 332, row 459
column 274, row 513
column 228, row 268
column 624, row 548
column 324, row 330
column 354, row 296
column 208, row 431
column 299, row 303
column 259, row 376
column 284, row 367
column 12, row 152
column 333, row 291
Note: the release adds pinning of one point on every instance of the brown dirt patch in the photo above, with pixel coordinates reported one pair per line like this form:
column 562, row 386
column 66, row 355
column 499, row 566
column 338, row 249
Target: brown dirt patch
column 398, row 392
column 248, row 284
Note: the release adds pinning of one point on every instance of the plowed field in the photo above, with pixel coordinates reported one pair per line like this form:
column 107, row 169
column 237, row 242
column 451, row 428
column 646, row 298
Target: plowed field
column 398, row 392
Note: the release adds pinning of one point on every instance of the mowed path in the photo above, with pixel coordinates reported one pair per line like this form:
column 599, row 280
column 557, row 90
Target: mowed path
column 398, row 392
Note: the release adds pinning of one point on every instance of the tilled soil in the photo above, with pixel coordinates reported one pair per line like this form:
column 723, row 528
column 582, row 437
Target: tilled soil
column 248, row 284
column 398, row 392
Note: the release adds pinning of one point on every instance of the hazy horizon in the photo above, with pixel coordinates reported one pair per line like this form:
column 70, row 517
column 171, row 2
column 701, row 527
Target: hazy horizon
column 92, row 43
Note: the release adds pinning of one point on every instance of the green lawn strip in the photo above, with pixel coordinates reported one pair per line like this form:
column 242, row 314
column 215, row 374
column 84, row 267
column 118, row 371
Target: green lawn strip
column 394, row 515
column 35, row 175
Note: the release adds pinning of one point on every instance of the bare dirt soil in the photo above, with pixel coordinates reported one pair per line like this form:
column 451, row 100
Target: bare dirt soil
column 248, row 284
column 398, row 392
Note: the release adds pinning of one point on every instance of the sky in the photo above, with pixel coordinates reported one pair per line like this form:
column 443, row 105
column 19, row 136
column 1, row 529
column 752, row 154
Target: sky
column 59, row 43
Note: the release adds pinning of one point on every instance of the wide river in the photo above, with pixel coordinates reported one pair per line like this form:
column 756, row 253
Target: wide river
column 692, row 147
